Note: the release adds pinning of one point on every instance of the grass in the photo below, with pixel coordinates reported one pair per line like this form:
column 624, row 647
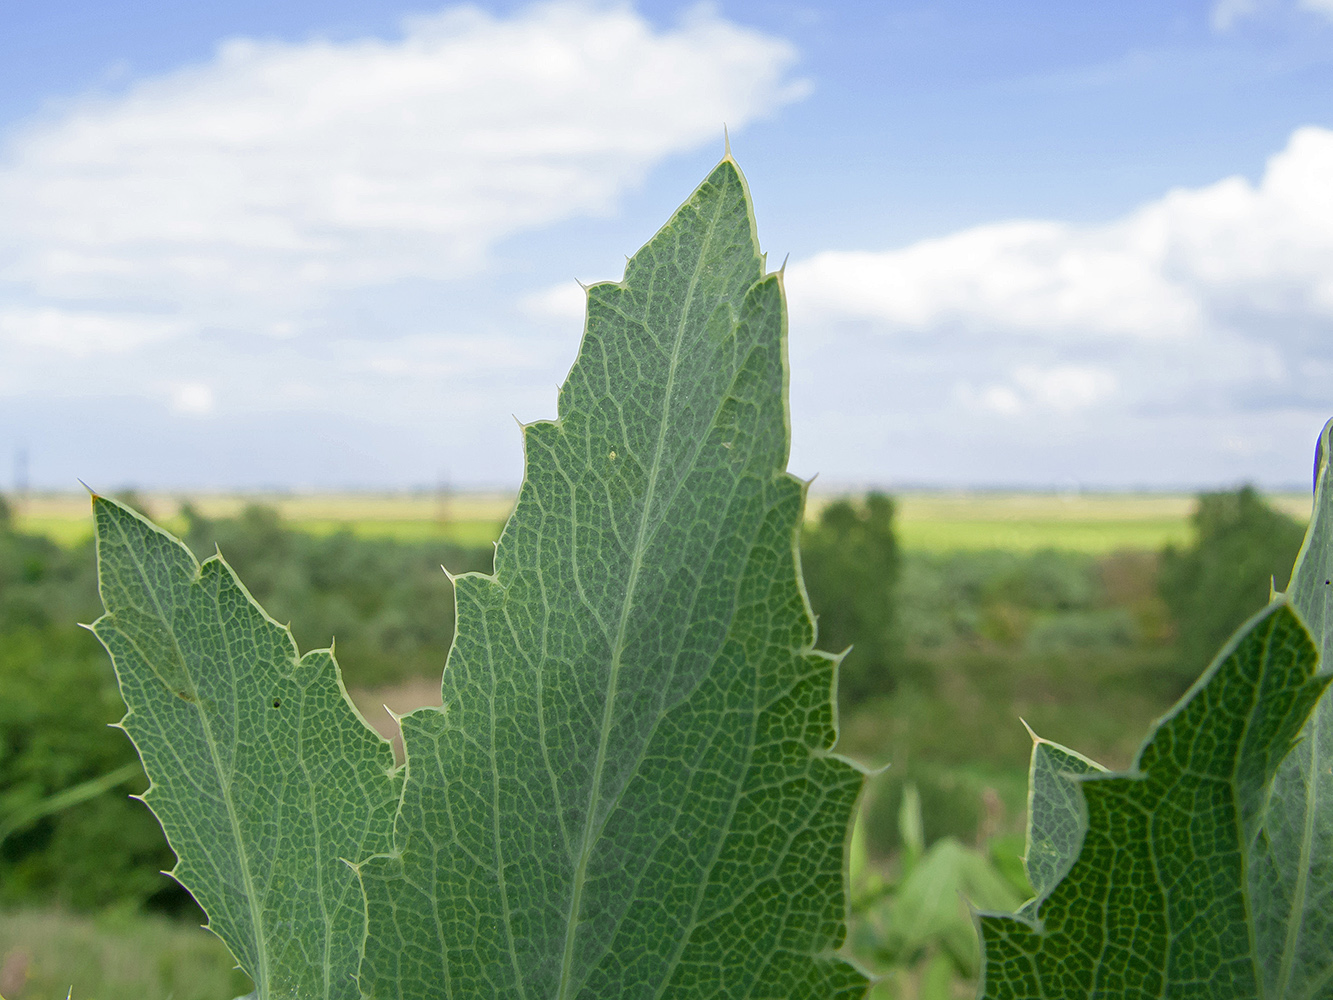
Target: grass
column 465, row 519
column 47, row 954
column 1095, row 523
column 935, row 522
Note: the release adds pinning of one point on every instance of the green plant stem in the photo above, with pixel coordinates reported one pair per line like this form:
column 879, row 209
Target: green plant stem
column 72, row 796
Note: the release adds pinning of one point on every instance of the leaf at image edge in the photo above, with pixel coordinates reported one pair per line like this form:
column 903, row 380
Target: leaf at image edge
column 1292, row 882
column 1192, row 806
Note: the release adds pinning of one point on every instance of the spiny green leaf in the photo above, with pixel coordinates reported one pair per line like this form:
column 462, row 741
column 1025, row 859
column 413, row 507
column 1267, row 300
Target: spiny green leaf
column 1057, row 817
column 629, row 791
column 1292, row 879
column 1159, row 901
column 264, row 777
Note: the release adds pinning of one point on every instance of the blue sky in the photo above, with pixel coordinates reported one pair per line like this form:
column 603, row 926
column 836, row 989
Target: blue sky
column 334, row 245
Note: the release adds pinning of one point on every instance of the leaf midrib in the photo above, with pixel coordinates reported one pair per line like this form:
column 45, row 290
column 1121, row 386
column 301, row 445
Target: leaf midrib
column 636, row 562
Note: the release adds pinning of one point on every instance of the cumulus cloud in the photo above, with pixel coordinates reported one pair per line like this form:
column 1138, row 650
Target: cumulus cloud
column 1059, row 389
column 81, row 332
column 1324, row 7
column 240, row 194
column 1226, row 13
column 1204, row 315
column 565, row 301
column 1035, row 277
column 193, row 399
column 1177, row 267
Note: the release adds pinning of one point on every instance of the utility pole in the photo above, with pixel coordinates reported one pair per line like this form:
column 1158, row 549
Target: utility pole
column 21, row 473
column 442, row 494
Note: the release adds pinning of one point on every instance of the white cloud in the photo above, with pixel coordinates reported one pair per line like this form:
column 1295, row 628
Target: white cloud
column 80, row 333
column 1036, row 277
column 1001, row 399
column 1059, row 389
column 244, row 192
column 1202, row 317
column 1066, row 388
column 1179, row 266
column 1226, row 13
column 566, row 301
column 194, row 399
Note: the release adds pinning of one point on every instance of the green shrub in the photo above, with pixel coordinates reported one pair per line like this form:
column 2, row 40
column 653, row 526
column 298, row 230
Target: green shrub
column 54, row 733
column 1041, row 601
column 1241, row 546
column 851, row 564
column 42, row 584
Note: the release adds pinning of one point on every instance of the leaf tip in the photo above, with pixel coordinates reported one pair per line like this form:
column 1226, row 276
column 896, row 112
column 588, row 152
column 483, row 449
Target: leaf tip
column 1321, row 449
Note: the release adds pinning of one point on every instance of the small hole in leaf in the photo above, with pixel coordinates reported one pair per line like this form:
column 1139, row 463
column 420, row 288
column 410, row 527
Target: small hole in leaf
column 277, row 703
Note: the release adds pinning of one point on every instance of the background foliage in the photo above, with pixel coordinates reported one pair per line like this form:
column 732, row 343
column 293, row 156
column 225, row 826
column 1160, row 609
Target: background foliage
column 1241, row 546
column 949, row 648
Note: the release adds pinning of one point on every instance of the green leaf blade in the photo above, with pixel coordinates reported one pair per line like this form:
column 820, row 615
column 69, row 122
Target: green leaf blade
column 629, row 790
column 263, row 776
column 1157, row 901
column 1057, row 817
column 1292, row 879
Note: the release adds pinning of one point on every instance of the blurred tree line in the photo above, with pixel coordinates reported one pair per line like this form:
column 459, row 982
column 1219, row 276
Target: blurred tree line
column 914, row 622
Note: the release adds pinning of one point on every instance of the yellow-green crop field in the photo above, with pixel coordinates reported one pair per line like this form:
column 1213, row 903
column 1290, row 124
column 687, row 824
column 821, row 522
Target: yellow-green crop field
column 468, row 519
column 1081, row 522
column 937, row 522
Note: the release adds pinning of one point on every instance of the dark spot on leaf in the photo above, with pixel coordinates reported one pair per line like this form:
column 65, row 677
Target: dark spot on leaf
column 185, row 695
column 277, row 703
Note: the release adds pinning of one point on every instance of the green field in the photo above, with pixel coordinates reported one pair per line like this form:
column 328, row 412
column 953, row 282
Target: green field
column 934, row 522
column 470, row 519
column 115, row 956
column 1095, row 523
